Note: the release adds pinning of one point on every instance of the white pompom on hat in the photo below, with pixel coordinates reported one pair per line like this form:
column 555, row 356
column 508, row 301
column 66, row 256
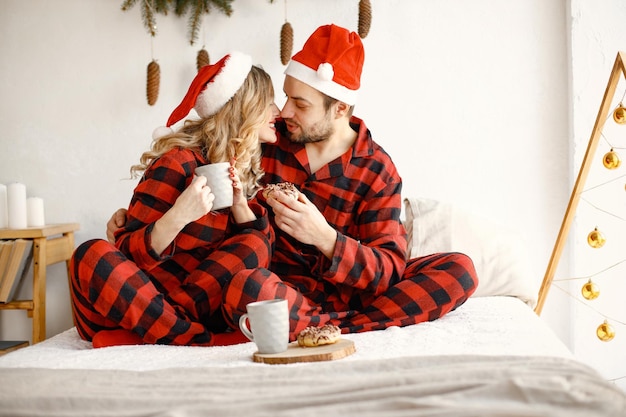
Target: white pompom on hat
column 211, row 89
column 331, row 61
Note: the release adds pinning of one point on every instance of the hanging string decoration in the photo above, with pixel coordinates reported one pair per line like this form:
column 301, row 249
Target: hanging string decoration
column 196, row 9
column 596, row 239
column 152, row 85
column 365, row 17
column 606, row 206
column 202, row 58
column 286, row 40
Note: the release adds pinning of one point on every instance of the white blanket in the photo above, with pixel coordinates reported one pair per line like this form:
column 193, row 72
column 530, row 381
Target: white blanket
column 481, row 326
column 491, row 357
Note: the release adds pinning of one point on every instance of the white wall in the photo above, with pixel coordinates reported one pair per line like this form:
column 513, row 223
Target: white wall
column 469, row 97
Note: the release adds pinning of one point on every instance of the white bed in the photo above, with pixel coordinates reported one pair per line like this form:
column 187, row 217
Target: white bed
column 493, row 356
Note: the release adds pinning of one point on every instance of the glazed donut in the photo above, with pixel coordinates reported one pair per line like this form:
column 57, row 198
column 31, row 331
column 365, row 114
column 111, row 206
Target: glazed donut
column 286, row 187
column 318, row 336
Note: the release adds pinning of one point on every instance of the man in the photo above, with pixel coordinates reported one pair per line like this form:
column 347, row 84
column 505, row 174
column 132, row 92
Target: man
column 340, row 249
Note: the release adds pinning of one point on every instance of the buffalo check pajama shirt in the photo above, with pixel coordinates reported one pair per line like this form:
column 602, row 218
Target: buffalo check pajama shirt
column 215, row 266
column 174, row 297
column 368, row 284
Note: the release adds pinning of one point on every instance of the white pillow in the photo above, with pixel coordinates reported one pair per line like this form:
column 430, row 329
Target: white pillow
column 499, row 255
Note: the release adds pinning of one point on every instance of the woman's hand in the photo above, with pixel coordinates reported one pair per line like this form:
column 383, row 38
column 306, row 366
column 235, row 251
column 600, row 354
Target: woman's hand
column 193, row 203
column 240, row 209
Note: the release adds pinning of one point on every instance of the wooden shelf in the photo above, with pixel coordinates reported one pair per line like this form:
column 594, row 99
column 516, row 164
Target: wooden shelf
column 11, row 345
column 52, row 244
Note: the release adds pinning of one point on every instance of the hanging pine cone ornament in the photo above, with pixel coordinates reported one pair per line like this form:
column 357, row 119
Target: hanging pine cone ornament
column 286, row 43
column 365, row 17
column 152, row 86
column 202, row 59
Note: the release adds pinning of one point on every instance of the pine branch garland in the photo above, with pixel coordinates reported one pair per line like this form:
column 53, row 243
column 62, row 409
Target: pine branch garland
column 198, row 8
column 195, row 8
column 195, row 20
column 148, row 10
column 148, row 18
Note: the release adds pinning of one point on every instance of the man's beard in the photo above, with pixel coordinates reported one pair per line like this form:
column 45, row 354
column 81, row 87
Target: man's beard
column 317, row 133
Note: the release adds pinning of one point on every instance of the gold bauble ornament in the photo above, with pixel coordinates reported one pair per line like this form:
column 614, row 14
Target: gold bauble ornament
column 596, row 239
column 590, row 291
column 605, row 332
column 611, row 160
column 619, row 114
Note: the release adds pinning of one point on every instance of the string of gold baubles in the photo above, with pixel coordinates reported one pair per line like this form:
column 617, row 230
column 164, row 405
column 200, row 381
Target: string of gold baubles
column 596, row 239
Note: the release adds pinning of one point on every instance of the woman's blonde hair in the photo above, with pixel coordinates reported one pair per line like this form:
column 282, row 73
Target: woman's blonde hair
column 232, row 132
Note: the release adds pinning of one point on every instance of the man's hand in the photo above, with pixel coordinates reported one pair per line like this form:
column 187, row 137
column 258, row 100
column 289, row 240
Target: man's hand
column 117, row 220
column 303, row 221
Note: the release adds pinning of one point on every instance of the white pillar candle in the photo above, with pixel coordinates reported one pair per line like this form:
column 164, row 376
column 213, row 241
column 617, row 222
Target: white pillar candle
column 4, row 209
column 16, row 199
column 34, row 212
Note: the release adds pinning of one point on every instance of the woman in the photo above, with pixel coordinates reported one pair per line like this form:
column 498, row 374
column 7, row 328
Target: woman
column 162, row 281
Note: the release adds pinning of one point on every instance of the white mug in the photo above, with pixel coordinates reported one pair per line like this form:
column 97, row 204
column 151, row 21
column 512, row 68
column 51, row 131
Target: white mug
column 219, row 181
column 269, row 325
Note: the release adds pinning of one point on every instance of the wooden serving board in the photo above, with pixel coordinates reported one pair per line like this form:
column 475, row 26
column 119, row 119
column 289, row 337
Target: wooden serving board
column 295, row 353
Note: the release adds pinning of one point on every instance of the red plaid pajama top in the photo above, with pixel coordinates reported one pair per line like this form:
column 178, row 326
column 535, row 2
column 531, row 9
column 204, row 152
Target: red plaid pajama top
column 367, row 284
column 174, row 297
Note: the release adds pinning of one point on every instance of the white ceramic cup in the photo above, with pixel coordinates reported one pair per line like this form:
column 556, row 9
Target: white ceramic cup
column 269, row 325
column 219, row 181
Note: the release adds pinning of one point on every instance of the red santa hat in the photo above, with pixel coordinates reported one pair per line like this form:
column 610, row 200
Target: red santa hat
column 331, row 61
column 211, row 89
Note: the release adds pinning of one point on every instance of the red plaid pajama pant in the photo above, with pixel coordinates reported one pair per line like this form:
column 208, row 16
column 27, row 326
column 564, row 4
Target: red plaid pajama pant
column 431, row 286
column 109, row 291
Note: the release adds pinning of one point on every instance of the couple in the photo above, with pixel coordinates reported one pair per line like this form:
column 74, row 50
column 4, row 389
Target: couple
column 179, row 274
